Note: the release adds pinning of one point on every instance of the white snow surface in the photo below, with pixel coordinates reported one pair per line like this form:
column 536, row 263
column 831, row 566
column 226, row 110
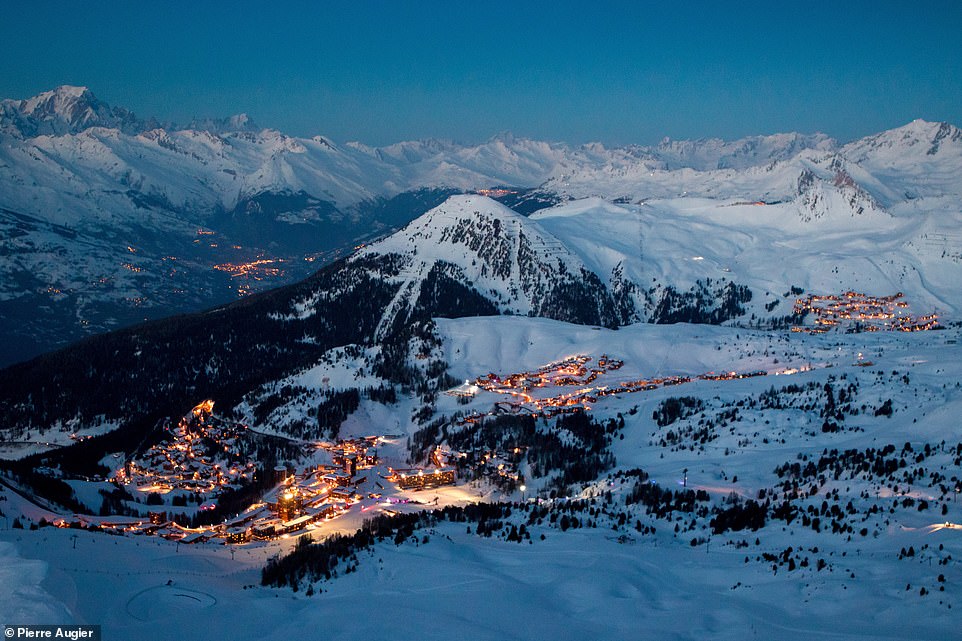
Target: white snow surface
column 92, row 179
column 586, row 583
column 769, row 248
column 22, row 596
column 483, row 240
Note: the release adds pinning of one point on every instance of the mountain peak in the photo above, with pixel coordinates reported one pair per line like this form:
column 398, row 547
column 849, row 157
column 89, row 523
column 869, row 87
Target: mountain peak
column 66, row 102
column 506, row 137
column 477, row 247
column 917, row 139
column 71, row 90
column 434, row 224
column 921, row 130
column 66, row 109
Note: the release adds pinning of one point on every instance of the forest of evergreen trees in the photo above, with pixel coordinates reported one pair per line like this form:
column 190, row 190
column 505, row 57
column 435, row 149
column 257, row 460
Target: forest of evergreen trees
column 700, row 304
column 159, row 368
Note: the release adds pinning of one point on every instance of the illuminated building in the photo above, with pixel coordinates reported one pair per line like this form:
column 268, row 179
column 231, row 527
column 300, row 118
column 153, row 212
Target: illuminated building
column 338, row 478
column 420, row 479
column 350, row 464
column 288, row 505
column 238, row 535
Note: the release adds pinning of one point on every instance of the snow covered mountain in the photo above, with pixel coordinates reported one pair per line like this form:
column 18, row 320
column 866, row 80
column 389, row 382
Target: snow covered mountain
column 512, row 264
column 714, row 153
column 109, row 219
column 742, row 465
column 590, row 262
column 468, row 257
column 65, row 110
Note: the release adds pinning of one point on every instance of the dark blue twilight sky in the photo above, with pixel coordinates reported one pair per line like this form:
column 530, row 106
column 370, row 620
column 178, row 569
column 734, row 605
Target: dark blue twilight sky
column 618, row 72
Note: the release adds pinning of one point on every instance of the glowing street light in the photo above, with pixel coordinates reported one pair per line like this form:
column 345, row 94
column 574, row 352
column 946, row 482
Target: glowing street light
column 523, row 488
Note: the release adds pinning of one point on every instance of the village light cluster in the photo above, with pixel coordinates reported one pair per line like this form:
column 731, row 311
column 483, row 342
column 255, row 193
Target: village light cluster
column 571, row 372
column 201, row 458
column 871, row 313
column 495, row 193
column 296, row 503
column 531, row 394
column 258, row 269
column 250, row 272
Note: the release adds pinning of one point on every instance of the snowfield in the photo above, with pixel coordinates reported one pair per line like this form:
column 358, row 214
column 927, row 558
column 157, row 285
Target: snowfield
column 598, row 580
column 107, row 220
column 766, row 247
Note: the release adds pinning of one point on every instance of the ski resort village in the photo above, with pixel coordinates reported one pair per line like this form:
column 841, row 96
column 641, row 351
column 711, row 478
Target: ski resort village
column 805, row 459
column 260, row 386
column 201, row 459
column 805, row 478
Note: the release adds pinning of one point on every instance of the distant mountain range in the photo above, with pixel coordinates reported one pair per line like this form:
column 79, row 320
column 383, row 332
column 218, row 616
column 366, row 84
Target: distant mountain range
column 107, row 219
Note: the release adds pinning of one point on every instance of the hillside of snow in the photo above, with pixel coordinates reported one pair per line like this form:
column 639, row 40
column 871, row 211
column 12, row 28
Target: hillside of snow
column 770, row 248
column 109, row 219
column 507, row 259
column 675, row 576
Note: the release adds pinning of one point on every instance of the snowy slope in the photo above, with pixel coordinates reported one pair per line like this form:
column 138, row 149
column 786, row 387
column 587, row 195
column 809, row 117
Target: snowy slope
column 95, row 204
column 506, row 258
column 921, row 159
column 601, row 579
column 829, row 238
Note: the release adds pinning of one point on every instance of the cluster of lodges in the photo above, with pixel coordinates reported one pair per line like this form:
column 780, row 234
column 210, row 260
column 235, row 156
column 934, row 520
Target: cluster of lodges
column 489, row 463
column 495, row 192
column 294, row 508
column 299, row 501
column 645, row 385
column 870, row 313
column 303, row 499
column 158, row 524
column 354, row 454
column 187, row 461
column 731, row 376
column 570, row 372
